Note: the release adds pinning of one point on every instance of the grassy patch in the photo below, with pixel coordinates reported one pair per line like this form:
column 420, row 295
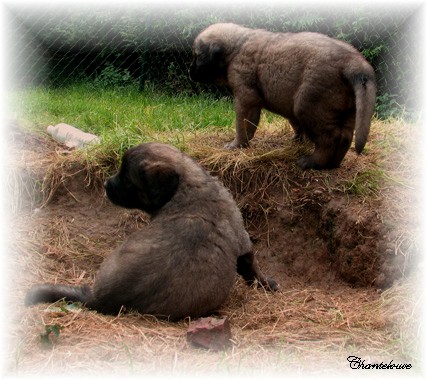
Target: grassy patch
column 367, row 182
column 120, row 117
column 200, row 125
column 126, row 117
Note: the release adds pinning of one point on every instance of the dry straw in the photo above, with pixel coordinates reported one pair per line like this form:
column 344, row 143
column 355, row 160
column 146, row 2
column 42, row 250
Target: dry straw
column 303, row 327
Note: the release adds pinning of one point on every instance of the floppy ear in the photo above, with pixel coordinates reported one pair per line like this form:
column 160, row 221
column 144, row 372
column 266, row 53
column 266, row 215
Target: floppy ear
column 215, row 51
column 160, row 181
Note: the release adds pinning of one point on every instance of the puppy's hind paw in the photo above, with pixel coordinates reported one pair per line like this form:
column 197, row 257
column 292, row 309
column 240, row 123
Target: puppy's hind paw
column 272, row 285
column 269, row 284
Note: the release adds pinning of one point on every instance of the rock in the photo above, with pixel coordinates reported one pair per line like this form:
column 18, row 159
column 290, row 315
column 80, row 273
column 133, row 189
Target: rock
column 210, row 333
column 71, row 136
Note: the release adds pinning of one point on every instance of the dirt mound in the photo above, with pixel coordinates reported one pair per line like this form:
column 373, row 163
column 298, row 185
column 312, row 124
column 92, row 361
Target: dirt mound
column 317, row 233
column 322, row 227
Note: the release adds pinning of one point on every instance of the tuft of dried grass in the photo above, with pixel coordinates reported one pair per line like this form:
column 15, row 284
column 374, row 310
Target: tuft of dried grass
column 387, row 163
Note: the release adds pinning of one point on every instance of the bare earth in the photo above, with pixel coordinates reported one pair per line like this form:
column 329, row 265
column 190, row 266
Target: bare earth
column 346, row 263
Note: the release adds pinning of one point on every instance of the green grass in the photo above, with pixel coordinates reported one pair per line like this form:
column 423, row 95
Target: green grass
column 365, row 183
column 126, row 117
column 123, row 116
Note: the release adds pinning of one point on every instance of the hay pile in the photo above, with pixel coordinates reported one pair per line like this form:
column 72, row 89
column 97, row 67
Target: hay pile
column 291, row 330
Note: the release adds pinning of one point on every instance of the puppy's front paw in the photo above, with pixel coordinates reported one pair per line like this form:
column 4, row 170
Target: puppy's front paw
column 305, row 162
column 235, row 145
column 309, row 162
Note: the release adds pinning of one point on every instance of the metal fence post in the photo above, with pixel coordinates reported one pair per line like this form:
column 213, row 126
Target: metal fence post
column 143, row 73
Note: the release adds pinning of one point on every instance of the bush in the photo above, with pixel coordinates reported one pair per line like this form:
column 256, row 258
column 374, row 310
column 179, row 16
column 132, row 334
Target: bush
column 112, row 77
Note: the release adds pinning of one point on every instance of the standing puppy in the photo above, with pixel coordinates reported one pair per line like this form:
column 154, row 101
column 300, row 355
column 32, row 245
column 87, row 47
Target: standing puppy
column 324, row 87
column 184, row 262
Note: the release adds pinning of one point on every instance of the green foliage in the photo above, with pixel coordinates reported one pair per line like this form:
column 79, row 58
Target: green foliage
column 373, row 53
column 387, row 107
column 50, row 330
column 112, row 77
column 365, row 183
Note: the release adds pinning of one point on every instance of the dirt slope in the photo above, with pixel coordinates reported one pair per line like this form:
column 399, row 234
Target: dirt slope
column 330, row 248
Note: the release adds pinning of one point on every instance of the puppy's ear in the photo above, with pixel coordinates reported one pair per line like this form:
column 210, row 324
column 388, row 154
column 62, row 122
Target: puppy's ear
column 215, row 52
column 161, row 181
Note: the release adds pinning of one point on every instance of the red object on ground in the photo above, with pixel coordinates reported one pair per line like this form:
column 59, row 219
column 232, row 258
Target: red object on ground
column 210, row 333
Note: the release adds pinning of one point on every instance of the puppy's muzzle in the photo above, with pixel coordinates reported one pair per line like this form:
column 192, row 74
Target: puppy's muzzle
column 109, row 187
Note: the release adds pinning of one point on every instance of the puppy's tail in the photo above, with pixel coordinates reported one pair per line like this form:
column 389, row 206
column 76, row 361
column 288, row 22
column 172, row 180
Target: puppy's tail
column 362, row 80
column 52, row 293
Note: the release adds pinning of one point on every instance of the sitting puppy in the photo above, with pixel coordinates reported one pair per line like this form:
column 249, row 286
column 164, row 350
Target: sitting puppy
column 184, row 262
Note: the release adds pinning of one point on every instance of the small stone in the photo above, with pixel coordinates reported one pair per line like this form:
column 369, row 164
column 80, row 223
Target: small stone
column 210, row 333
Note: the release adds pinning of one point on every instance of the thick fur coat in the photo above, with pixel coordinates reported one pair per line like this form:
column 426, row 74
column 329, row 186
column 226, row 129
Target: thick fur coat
column 184, row 262
column 323, row 86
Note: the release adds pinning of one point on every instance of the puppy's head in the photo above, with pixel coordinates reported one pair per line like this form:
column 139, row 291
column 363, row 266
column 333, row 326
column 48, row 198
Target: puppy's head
column 147, row 178
column 209, row 62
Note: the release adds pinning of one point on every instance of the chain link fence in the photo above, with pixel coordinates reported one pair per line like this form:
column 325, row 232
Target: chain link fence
column 149, row 46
